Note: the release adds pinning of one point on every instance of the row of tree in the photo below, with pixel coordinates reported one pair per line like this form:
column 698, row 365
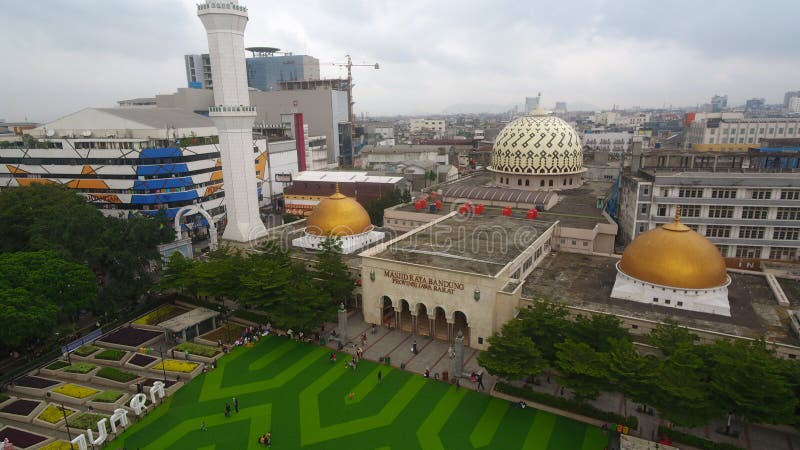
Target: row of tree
column 690, row 384
column 293, row 295
column 60, row 255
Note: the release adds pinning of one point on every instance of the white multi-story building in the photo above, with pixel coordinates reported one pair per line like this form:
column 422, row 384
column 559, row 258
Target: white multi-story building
column 435, row 125
column 751, row 216
column 612, row 142
column 380, row 157
column 794, row 105
column 738, row 134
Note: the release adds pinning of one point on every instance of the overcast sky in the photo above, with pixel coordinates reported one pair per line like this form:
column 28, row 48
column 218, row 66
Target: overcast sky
column 61, row 56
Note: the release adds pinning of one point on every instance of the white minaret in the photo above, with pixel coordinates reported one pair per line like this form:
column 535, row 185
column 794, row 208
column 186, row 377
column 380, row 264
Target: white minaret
column 225, row 21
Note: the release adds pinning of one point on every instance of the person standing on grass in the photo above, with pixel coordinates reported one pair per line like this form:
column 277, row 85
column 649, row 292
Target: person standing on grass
column 236, row 405
column 380, row 377
column 227, row 410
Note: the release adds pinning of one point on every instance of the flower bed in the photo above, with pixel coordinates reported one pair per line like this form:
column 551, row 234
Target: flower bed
column 140, row 360
column 35, row 382
column 3, row 397
column 162, row 313
column 131, row 337
column 57, row 365
column 150, row 381
column 53, row 414
column 57, row 445
column 81, row 368
column 75, row 391
column 117, row 375
column 21, row 407
column 111, row 354
column 108, row 396
column 86, row 350
column 197, row 349
column 86, row 421
column 21, row 438
column 172, row 365
column 226, row 333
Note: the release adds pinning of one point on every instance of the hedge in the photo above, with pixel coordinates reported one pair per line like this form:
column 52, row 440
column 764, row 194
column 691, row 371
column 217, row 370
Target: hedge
column 156, row 316
column 251, row 316
column 86, row 350
column 75, row 391
column 80, row 368
column 57, row 365
column 3, row 397
column 108, row 396
column 566, row 404
column 57, row 445
column 172, row 365
column 197, row 349
column 111, row 354
column 116, row 374
column 694, row 441
column 53, row 414
column 85, row 421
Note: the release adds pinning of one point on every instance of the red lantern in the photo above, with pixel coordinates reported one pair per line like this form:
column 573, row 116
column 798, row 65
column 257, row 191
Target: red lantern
column 433, row 194
column 462, row 209
column 507, row 211
column 417, row 206
column 479, row 208
column 423, row 203
column 532, row 214
column 438, row 204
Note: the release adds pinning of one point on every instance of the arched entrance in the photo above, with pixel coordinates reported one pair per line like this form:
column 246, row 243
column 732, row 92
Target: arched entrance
column 423, row 325
column 460, row 324
column 439, row 324
column 387, row 312
column 194, row 209
column 405, row 320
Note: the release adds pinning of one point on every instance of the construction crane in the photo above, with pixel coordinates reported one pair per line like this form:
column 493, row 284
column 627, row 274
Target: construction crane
column 349, row 65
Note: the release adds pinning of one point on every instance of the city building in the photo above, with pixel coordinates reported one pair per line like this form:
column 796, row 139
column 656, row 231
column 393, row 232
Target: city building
column 538, row 152
column 532, row 103
column 561, row 108
column 719, row 103
column 435, row 125
column 308, row 188
column 788, row 96
column 748, row 216
column 381, row 157
column 794, row 105
column 265, row 69
column 616, row 142
column 754, row 104
column 713, row 134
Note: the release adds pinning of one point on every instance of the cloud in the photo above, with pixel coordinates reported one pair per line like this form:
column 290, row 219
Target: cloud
column 66, row 56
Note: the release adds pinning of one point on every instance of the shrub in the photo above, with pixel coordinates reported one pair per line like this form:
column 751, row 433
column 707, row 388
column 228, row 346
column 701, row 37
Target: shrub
column 116, row 374
column 156, row 316
column 568, row 405
column 694, row 441
column 75, row 391
column 57, row 365
column 108, row 396
column 80, row 368
column 53, row 414
column 3, row 397
column 85, row 421
column 86, row 350
column 197, row 349
column 111, row 354
column 172, row 365
column 57, row 445
column 251, row 316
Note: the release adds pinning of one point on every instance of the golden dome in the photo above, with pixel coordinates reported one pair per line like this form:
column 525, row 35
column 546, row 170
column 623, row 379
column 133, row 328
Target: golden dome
column 674, row 255
column 338, row 215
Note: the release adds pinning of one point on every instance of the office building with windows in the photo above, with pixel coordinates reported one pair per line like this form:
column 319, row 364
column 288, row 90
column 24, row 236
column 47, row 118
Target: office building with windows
column 714, row 134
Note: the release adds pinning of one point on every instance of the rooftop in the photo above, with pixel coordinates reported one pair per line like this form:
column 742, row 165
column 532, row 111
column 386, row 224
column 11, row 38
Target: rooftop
column 481, row 244
column 344, row 177
column 586, row 281
column 188, row 319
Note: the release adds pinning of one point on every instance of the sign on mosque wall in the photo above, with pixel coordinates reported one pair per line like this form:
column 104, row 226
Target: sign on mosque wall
column 423, row 282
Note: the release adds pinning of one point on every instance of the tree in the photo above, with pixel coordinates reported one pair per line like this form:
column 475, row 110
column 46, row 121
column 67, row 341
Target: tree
column 546, row 324
column 598, row 331
column 179, row 274
column 331, row 273
column 386, row 200
column 669, row 337
column 25, row 317
column 305, row 307
column 219, row 276
column 683, row 394
column 266, row 277
column 582, row 369
column 632, row 373
column 748, row 379
column 512, row 354
column 431, row 176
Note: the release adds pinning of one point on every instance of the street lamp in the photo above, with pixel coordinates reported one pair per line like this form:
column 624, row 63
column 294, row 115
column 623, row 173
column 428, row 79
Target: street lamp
column 163, row 366
column 69, row 435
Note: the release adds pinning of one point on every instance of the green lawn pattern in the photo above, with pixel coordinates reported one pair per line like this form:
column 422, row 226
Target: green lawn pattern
column 294, row 391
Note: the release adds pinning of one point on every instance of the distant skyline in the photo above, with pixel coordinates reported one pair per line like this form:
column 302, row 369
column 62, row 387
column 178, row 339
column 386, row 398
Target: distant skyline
column 60, row 57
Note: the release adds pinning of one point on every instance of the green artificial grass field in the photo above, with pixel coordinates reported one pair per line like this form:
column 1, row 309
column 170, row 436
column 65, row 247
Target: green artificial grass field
column 292, row 390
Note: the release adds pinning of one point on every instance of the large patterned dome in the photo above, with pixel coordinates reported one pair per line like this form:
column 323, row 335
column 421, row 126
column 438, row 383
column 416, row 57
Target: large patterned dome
column 537, row 144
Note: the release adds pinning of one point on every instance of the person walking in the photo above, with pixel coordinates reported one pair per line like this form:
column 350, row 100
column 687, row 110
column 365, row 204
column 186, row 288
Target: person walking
column 236, row 405
column 480, row 381
column 227, row 410
column 380, row 377
column 414, row 347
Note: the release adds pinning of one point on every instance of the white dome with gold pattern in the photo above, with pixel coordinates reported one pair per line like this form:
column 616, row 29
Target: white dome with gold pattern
column 537, row 144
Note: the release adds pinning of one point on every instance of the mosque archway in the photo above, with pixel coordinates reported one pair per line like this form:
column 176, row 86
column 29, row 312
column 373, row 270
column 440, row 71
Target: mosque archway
column 387, row 312
column 439, row 326
column 460, row 324
column 405, row 322
column 423, row 325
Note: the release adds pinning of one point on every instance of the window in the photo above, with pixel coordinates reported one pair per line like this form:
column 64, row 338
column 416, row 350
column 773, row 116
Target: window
column 754, row 212
column 753, row 130
column 644, row 209
column 690, row 210
column 655, row 299
column 723, row 250
column 747, row 251
column 519, row 182
column 641, row 228
column 690, row 193
column 785, row 233
column 733, row 131
column 785, row 253
column 787, row 194
column 667, row 301
column 541, row 183
column 718, row 231
column 564, row 182
column 634, row 327
column 724, row 131
column 550, row 183
column 527, row 182
column 720, row 212
column 646, row 191
column 574, row 242
column 664, row 192
column 771, row 130
column 680, row 303
column 749, row 140
column 585, row 243
column 662, row 210
column 790, row 131
column 741, row 140
column 761, row 194
column 780, row 130
column 788, row 213
column 723, row 193
column 742, row 131
column 711, row 141
column 751, row 232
